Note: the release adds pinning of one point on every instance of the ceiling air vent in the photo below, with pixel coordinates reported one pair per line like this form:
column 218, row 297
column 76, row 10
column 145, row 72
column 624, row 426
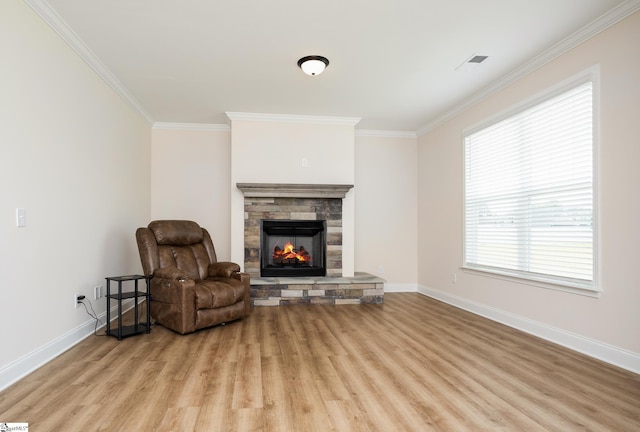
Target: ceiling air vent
column 477, row 59
column 472, row 63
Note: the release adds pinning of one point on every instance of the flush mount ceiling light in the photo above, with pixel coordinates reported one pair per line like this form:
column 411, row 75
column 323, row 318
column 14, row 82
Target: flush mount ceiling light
column 313, row 65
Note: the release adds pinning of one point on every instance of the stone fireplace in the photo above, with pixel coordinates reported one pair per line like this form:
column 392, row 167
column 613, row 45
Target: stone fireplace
column 292, row 202
column 298, row 204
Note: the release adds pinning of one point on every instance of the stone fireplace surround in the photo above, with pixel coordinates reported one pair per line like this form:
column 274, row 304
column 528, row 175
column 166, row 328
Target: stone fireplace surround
column 302, row 202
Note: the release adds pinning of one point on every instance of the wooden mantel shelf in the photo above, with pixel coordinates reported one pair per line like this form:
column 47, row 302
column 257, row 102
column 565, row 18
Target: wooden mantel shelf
column 292, row 190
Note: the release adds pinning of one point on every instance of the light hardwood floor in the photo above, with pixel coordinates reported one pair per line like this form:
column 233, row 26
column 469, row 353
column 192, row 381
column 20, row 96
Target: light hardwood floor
column 412, row 364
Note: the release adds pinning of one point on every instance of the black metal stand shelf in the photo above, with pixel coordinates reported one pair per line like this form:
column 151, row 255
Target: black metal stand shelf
column 138, row 326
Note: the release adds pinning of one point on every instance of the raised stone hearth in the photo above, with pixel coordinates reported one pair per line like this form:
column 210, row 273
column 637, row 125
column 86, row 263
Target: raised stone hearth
column 363, row 288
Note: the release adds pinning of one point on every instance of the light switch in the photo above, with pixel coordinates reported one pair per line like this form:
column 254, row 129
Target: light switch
column 20, row 217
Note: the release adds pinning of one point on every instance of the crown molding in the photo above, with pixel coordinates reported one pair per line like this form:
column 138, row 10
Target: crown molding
column 212, row 127
column 51, row 17
column 600, row 24
column 209, row 127
column 385, row 133
column 285, row 118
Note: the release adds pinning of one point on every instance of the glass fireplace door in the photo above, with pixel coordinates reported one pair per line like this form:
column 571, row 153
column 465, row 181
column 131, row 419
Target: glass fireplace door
column 292, row 248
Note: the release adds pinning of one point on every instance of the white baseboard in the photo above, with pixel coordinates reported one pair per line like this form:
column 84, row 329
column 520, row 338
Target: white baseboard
column 398, row 288
column 26, row 364
column 610, row 354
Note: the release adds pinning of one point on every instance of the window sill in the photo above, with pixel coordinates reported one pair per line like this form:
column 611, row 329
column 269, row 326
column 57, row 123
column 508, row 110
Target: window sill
column 540, row 283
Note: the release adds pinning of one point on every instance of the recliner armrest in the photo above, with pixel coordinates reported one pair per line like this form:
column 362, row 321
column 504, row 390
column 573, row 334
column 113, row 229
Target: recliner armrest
column 223, row 269
column 174, row 291
column 172, row 273
column 245, row 278
column 173, row 303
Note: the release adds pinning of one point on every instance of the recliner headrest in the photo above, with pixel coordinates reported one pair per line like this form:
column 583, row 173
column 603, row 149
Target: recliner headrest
column 176, row 232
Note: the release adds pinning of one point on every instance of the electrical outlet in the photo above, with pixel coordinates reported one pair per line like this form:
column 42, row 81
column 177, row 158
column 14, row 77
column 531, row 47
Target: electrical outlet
column 380, row 269
column 97, row 292
column 76, row 300
column 454, row 278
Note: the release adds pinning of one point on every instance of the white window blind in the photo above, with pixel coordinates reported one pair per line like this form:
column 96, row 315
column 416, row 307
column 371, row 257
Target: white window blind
column 529, row 192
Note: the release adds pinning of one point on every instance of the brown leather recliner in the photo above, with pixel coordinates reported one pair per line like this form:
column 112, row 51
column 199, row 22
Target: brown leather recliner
column 190, row 290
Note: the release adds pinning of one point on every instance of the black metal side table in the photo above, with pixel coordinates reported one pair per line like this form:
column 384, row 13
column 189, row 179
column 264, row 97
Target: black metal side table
column 138, row 326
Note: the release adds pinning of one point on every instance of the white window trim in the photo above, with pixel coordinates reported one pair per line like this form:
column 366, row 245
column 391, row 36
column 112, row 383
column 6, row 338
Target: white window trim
column 591, row 74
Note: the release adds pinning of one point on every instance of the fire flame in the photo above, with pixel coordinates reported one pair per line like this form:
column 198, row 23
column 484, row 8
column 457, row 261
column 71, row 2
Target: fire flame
column 290, row 253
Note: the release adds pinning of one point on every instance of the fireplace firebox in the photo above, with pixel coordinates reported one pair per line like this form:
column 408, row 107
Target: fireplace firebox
column 292, row 248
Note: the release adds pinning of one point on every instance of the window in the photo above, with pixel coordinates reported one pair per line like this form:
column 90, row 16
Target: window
column 529, row 190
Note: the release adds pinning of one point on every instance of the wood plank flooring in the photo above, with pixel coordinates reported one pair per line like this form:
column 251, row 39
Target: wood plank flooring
column 412, row 364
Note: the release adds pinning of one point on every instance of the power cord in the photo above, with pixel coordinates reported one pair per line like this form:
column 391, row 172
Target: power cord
column 92, row 314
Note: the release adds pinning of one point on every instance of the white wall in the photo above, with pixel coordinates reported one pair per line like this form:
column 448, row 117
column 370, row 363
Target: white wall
column 191, row 179
column 76, row 157
column 386, row 209
column 611, row 320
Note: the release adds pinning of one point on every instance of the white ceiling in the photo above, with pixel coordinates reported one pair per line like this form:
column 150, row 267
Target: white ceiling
column 393, row 62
